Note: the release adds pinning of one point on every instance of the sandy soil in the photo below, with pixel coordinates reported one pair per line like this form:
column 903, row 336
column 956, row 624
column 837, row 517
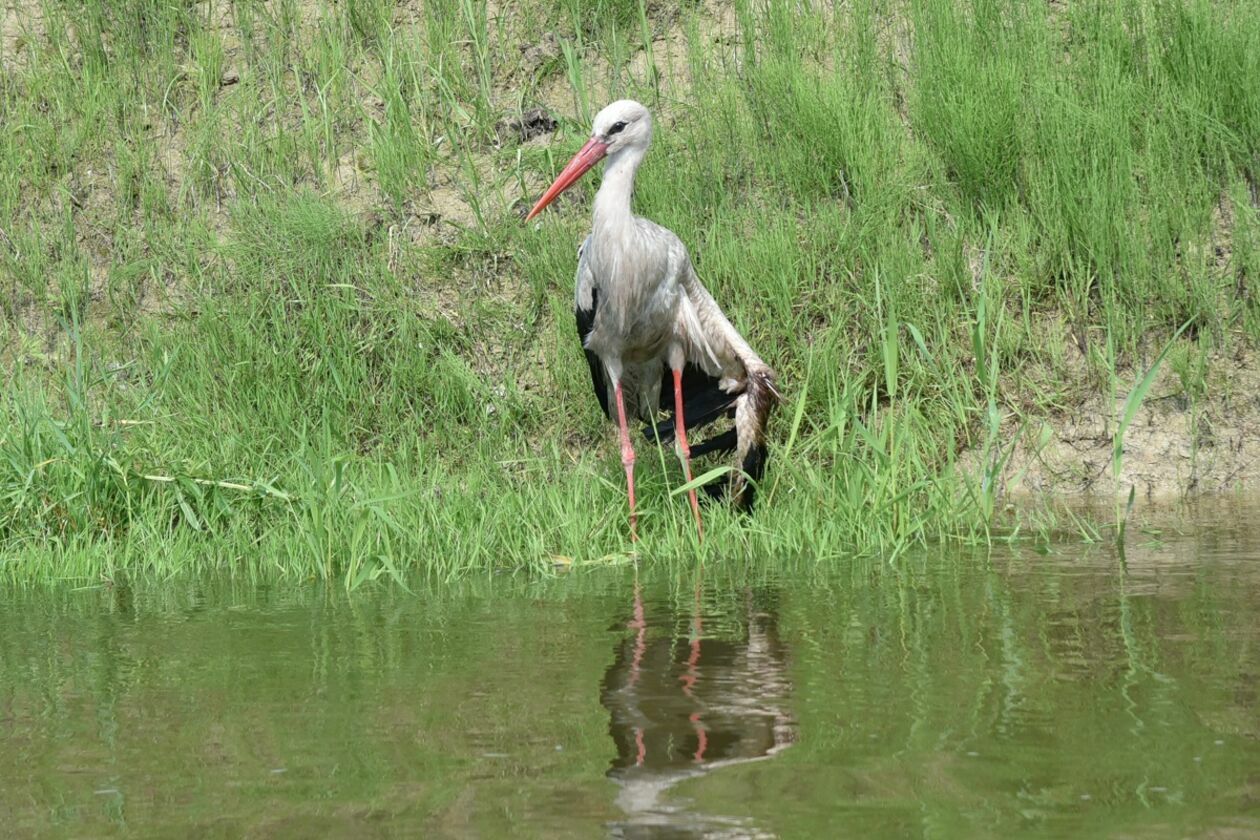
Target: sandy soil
column 1174, row 448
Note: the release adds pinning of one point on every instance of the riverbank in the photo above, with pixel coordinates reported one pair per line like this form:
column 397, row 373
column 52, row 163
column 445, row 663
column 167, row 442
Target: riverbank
column 268, row 304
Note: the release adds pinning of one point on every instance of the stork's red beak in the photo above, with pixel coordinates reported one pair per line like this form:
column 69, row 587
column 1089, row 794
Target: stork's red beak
column 592, row 153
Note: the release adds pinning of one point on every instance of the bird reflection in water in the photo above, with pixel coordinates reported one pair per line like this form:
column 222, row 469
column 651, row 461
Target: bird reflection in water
column 694, row 688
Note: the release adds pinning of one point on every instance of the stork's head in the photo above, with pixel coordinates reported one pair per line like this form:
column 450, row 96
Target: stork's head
column 622, row 126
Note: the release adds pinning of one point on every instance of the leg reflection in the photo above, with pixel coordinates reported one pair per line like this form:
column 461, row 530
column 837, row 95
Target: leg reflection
column 690, row 690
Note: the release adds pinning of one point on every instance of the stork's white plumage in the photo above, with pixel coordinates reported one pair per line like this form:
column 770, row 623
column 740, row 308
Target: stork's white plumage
column 640, row 307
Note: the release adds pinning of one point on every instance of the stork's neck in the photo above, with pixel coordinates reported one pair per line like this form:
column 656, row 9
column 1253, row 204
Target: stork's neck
column 612, row 202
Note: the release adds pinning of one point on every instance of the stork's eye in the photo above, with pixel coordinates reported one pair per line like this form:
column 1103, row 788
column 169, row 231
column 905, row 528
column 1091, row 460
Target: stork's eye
column 616, row 128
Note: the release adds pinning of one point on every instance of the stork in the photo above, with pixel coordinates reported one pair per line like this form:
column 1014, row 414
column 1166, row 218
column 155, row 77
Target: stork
column 641, row 308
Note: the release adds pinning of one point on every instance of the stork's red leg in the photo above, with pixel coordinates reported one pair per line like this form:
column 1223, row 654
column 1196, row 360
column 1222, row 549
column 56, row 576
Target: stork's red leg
column 627, row 459
column 680, row 434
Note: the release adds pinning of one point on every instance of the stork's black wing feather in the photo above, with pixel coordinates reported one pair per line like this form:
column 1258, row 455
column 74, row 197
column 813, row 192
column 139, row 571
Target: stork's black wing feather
column 754, row 466
column 585, row 323
column 723, row 442
column 703, row 403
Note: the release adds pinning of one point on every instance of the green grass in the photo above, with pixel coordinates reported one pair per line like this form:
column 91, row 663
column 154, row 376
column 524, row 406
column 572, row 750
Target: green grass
column 266, row 304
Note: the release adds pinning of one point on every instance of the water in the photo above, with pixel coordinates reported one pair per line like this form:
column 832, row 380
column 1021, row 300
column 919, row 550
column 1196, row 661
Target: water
column 945, row 694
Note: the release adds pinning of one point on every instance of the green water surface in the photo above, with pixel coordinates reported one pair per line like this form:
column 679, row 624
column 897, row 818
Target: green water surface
column 943, row 694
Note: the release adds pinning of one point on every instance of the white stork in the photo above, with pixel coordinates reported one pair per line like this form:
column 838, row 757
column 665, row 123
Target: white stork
column 641, row 307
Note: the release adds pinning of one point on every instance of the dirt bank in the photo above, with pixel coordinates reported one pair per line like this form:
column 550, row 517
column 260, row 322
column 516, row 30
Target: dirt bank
column 1177, row 446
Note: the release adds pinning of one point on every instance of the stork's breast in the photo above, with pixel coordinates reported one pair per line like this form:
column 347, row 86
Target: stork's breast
column 637, row 315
